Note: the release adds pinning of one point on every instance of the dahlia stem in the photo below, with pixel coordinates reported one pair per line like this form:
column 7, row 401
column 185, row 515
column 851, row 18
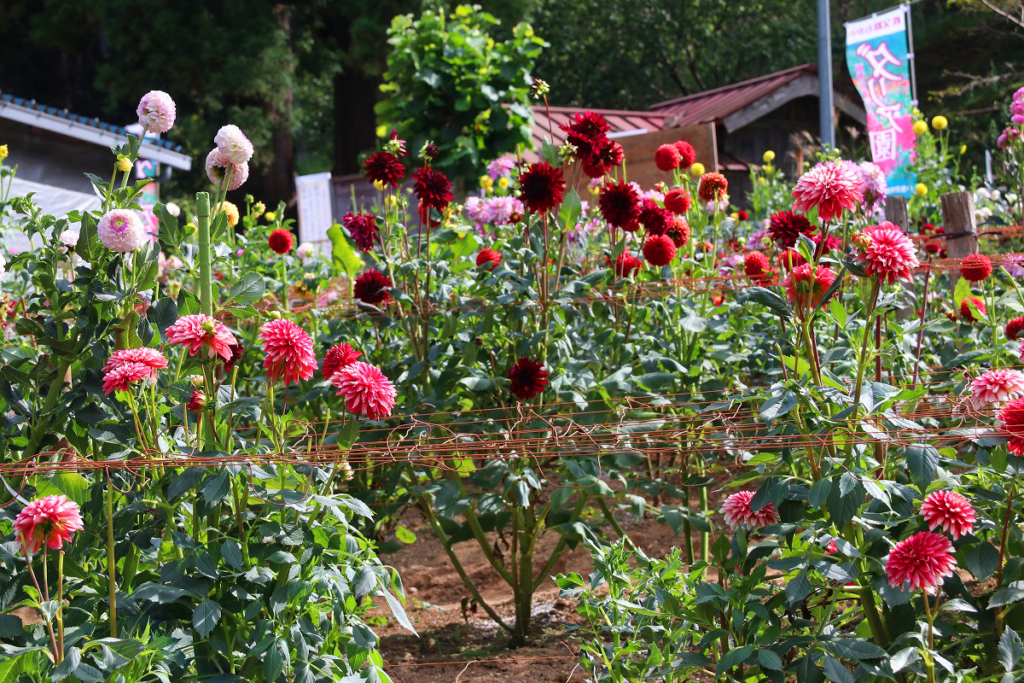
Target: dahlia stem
column 111, row 567
column 929, row 663
column 1002, row 543
column 861, row 364
column 39, row 593
column 60, row 603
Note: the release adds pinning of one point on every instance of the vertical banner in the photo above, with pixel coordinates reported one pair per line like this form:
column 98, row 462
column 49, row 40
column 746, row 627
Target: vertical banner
column 878, row 56
column 316, row 215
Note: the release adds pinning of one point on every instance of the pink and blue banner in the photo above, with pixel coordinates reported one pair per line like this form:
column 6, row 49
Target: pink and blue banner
column 878, row 56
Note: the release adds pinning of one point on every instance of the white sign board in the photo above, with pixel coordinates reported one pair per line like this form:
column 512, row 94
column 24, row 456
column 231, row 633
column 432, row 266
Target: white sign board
column 316, row 214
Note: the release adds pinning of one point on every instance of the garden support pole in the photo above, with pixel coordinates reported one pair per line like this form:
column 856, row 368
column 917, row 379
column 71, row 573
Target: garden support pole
column 961, row 233
column 828, row 138
column 205, row 276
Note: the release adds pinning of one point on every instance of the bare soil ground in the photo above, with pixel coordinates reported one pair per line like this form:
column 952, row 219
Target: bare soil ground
column 468, row 648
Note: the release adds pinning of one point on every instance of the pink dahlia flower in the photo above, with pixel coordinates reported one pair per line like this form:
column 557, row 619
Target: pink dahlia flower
column 1012, row 417
column 121, row 230
column 289, row 351
column 997, row 386
column 367, row 391
column 125, row 375
column 891, row 255
column 922, row 560
column 217, row 165
column 338, row 357
column 199, row 330
column 829, row 187
column 233, row 144
column 156, row 111
column 948, row 511
column 50, row 521
column 151, row 358
column 738, row 513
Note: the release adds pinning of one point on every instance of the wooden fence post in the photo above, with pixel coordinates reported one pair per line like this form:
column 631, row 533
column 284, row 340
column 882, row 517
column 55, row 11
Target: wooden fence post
column 961, row 231
column 896, row 213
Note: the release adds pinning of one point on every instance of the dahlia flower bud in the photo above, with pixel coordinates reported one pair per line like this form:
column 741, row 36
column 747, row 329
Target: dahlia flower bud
column 124, row 164
column 156, row 111
column 539, row 88
column 173, row 209
column 197, row 401
column 196, row 380
column 274, row 315
column 430, row 151
column 861, row 239
column 120, row 230
column 69, row 238
column 233, row 144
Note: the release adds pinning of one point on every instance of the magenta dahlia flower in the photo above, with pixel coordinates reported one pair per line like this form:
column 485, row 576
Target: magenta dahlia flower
column 891, row 255
column 124, row 375
column 50, row 521
column 950, row 512
column 829, row 187
column 233, row 144
column 997, row 386
column 363, row 228
column 151, row 358
column 289, row 351
column 338, row 357
column 923, row 561
column 121, row 230
column 737, row 512
column 199, row 330
column 217, row 165
column 367, row 391
column 156, row 111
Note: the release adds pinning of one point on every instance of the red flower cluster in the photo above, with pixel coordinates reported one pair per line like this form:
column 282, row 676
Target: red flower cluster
column 363, row 228
column 588, row 133
column 687, row 154
column 626, row 264
column 620, row 205
column 679, row 231
column 1012, row 417
column 289, row 351
column 1014, row 328
column 371, row 287
column 432, row 188
column 755, row 263
column 541, row 187
column 528, row 379
column 923, row 561
column 806, row 285
column 654, row 218
column 281, row 241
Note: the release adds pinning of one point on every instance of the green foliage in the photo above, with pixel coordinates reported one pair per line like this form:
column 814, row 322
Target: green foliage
column 451, row 81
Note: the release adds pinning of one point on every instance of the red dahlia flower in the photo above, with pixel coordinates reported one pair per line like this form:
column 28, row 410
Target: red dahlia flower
column 791, row 259
column 687, row 154
column 922, row 560
column 626, row 264
column 785, row 228
column 738, row 512
column 587, row 132
column 1012, row 417
column 829, row 187
column 976, row 268
column 541, row 187
column 528, row 379
column 49, row 521
column 659, row 250
column 367, row 391
column 966, row 313
column 950, row 512
column 289, row 351
column 620, row 205
column 713, row 187
column 124, row 375
column 281, row 241
column 891, row 254
column 755, row 263
column 679, row 231
column 805, row 285
column 932, row 248
column 1014, row 328
column 666, row 158
column 338, row 357
column 741, row 215
column 197, row 401
column 432, row 188
column 654, row 218
column 363, row 228
column 677, row 201
column 488, row 258
column 384, row 167
column 371, row 287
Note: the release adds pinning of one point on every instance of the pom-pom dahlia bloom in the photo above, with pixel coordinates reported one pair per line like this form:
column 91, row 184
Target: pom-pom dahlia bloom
column 528, row 378
column 966, row 308
column 997, row 386
column 687, row 154
column 289, row 351
column 923, row 561
column 659, row 250
column 677, row 201
column 829, row 187
column 667, row 157
column 156, row 111
column 197, row 331
column 281, row 241
column 976, row 268
column 890, row 255
column 217, row 165
column 627, row 264
column 737, row 512
column 713, row 187
column 121, row 377
column 367, row 391
column 51, row 521
column 233, row 144
column 121, row 230
column 950, row 512
column 338, row 357
column 488, row 258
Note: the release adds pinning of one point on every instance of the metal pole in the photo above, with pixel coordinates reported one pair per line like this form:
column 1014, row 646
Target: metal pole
column 828, row 137
column 911, row 55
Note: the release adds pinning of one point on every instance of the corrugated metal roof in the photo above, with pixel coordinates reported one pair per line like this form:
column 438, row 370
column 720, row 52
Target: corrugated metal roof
column 77, row 126
column 711, row 106
column 545, row 126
